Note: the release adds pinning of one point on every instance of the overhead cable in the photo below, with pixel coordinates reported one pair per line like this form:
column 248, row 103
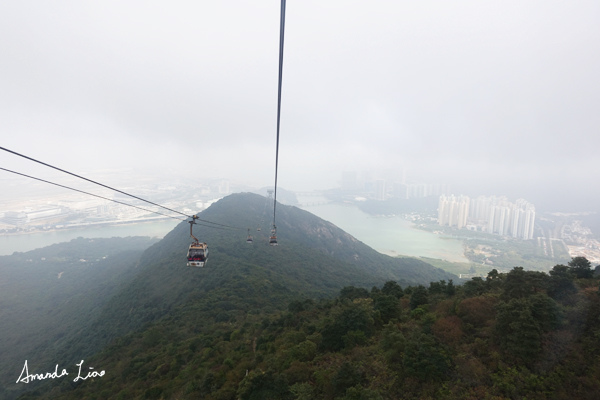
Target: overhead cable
column 281, row 34
column 104, row 198
column 90, row 194
column 108, row 187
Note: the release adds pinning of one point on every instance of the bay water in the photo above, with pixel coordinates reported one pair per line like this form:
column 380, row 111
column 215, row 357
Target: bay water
column 389, row 235
column 31, row 241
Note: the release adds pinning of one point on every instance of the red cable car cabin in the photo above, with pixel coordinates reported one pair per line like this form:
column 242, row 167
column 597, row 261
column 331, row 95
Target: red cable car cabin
column 197, row 255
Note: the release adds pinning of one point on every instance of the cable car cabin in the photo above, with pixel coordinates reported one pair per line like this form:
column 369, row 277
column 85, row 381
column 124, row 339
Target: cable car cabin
column 273, row 237
column 249, row 240
column 197, row 255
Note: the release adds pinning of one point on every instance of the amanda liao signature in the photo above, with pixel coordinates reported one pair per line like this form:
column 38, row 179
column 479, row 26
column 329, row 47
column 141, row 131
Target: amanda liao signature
column 27, row 377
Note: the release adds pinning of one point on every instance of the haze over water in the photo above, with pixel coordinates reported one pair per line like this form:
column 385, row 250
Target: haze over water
column 390, row 235
column 393, row 236
column 22, row 243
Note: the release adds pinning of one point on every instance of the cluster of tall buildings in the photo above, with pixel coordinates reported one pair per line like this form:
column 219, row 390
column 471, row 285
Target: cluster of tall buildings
column 453, row 211
column 21, row 218
column 491, row 214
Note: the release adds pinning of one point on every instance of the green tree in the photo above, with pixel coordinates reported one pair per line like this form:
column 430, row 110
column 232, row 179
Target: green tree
column 359, row 392
column 450, row 288
column 517, row 330
column 581, row 267
column 347, row 376
column 520, row 283
column 388, row 307
column 296, row 306
column 393, row 289
column 392, row 343
column 263, row 386
column 477, row 311
column 352, row 292
column 437, row 287
column 304, row 351
column 494, row 279
column 493, row 275
column 302, row 391
column 475, row 287
column 352, row 317
column 560, row 283
column 418, row 297
column 545, row 311
column 426, row 359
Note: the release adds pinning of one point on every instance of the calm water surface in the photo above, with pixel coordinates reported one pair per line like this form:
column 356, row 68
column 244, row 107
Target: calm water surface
column 393, row 236
column 10, row 244
column 390, row 235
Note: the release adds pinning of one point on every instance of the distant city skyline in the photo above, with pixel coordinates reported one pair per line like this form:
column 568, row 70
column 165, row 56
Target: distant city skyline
column 490, row 214
column 486, row 97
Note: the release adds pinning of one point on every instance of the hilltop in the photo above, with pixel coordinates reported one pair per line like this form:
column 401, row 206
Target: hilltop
column 522, row 334
column 314, row 259
column 261, row 323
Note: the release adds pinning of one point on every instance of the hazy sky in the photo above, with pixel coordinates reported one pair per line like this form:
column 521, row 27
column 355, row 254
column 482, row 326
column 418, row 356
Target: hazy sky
column 496, row 97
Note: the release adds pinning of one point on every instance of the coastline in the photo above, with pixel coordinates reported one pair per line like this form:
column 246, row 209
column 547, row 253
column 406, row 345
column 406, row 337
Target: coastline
column 390, row 235
column 85, row 225
column 31, row 240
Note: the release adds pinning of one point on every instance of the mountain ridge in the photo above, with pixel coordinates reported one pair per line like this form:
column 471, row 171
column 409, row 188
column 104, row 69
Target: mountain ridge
column 314, row 259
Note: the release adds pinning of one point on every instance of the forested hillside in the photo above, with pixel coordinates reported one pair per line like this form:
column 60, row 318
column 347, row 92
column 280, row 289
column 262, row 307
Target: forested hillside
column 48, row 295
column 523, row 334
column 314, row 259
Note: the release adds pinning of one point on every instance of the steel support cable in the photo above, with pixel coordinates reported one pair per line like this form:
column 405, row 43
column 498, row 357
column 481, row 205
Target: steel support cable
column 281, row 35
column 90, row 194
column 108, row 187
column 102, row 197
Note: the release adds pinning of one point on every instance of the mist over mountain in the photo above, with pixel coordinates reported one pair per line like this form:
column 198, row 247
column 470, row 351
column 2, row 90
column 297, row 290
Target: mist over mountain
column 314, row 259
column 51, row 294
column 241, row 333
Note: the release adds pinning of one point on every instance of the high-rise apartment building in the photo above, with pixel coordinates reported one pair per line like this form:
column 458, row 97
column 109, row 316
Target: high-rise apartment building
column 494, row 215
column 380, row 189
column 453, row 210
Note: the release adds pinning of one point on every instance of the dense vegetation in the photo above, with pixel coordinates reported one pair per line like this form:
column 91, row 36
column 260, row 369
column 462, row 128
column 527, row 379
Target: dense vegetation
column 315, row 259
column 521, row 334
column 49, row 295
column 321, row 316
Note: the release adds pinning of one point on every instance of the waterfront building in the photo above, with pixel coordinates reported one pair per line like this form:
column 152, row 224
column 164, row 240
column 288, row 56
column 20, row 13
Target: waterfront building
column 491, row 214
column 399, row 190
column 453, row 211
column 14, row 218
column 420, row 190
